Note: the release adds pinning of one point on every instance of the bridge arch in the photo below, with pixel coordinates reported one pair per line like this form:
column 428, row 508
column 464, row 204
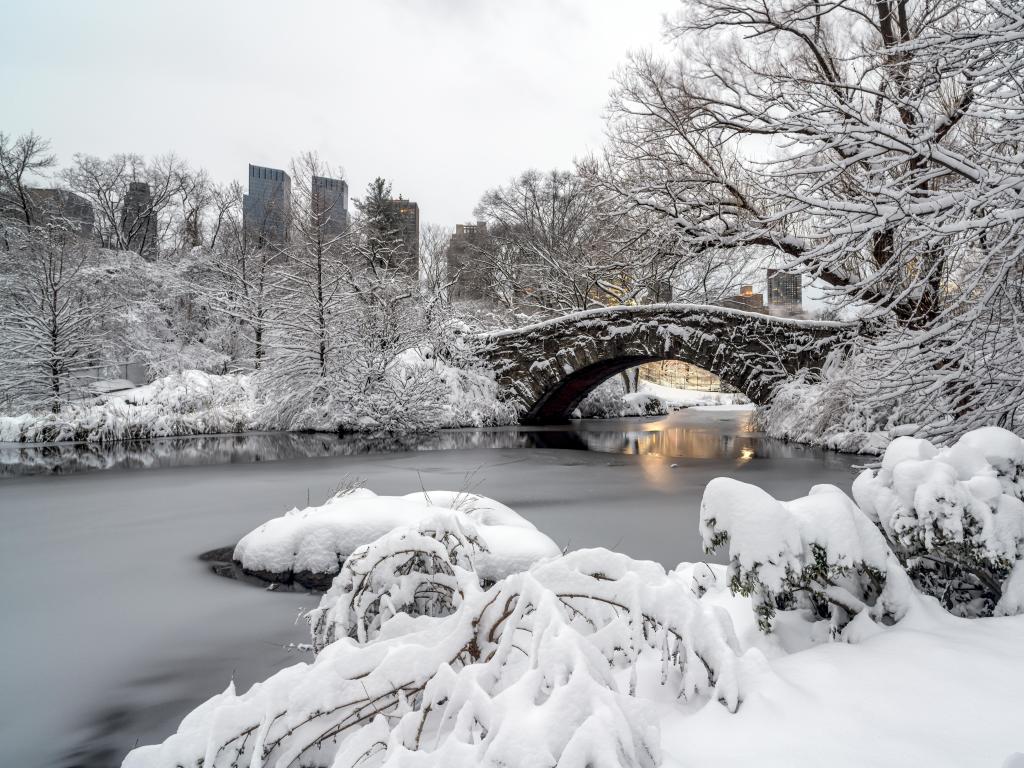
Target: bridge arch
column 546, row 369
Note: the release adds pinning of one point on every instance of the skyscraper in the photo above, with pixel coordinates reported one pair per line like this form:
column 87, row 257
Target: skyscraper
column 465, row 263
column 138, row 219
column 407, row 214
column 267, row 209
column 785, row 293
column 330, row 205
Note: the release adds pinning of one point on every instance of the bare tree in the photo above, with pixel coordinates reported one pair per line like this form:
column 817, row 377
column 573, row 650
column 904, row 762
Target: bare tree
column 193, row 195
column 106, row 184
column 242, row 276
column 434, row 242
column 21, row 159
column 554, row 246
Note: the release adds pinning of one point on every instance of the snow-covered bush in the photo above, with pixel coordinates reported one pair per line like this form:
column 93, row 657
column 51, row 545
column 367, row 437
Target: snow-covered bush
column 310, row 545
column 188, row 403
column 955, row 517
column 826, row 413
column 611, row 401
column 543, row 668
column 948, row 521
column 818, row 554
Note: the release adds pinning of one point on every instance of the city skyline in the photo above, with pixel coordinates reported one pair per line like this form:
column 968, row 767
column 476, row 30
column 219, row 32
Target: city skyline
column 522, row 88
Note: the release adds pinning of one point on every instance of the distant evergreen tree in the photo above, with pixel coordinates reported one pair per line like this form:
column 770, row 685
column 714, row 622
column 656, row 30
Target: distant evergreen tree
column 381, row 225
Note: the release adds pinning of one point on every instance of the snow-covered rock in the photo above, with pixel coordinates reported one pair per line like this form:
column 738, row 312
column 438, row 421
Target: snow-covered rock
column 310, row 545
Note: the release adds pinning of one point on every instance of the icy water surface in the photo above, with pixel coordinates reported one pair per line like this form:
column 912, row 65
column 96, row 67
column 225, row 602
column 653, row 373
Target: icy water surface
column 113, row 629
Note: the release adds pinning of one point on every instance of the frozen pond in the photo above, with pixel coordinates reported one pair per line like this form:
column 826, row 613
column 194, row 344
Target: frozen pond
column 113, row 629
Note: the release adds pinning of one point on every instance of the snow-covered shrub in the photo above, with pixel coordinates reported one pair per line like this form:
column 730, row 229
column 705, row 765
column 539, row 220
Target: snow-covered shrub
column 310, row 545
column 188, row 403
column 611, row 401
column 543, row 668
column 818, row 553
column 829, row 412
column 422, row 571
column 955, row 517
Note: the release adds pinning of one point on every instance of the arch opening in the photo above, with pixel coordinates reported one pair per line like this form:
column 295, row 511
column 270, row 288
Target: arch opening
column 557, row 404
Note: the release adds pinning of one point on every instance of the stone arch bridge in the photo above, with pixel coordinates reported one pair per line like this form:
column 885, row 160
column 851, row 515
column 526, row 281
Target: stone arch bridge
column 546, row 369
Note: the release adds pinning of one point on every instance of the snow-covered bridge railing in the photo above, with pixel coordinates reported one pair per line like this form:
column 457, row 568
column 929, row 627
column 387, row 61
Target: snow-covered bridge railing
column 546, row 369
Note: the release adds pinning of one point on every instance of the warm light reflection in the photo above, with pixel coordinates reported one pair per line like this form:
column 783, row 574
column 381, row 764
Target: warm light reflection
column 665, row 439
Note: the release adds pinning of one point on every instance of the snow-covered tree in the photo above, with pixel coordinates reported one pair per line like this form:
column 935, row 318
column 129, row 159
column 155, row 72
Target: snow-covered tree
column 550, row 249
column 49, row 317
column 307, row 336
column 874, row 147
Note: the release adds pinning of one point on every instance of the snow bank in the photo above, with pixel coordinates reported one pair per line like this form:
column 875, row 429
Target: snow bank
column 611, row 401
column 310, row 545
column 688, row 398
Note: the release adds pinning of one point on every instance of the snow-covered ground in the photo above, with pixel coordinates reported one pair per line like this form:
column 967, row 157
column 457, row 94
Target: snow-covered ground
column 813, row 646
column 680, row 398
column 611, row 401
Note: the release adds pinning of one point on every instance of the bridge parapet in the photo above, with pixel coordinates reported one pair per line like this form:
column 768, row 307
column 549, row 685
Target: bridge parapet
column 546, row 369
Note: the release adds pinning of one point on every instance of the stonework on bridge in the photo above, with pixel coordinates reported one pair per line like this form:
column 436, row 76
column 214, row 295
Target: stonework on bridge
column 548, row 368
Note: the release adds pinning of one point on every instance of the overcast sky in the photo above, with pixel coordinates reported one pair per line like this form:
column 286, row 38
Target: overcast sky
column 444, row 97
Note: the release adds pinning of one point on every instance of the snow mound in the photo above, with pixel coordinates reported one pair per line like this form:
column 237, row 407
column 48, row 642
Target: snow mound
column 310, row 545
